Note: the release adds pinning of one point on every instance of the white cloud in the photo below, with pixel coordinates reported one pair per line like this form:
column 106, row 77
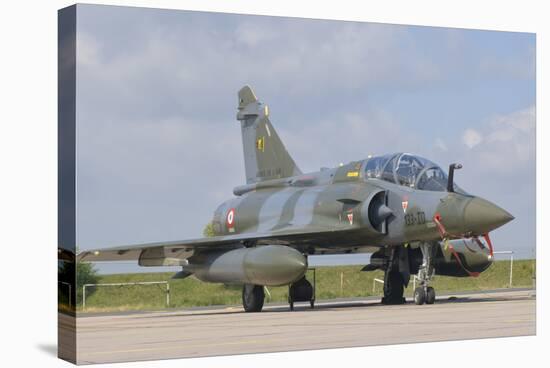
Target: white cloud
column 518, row 122
column 345, row 137
column 252, row 34
column 170, row 167
column 150, row 101
column 508, row 144
column 88, row 50
column 299, row 58
column 471, row 138
column 152, row 94
column 511, row 139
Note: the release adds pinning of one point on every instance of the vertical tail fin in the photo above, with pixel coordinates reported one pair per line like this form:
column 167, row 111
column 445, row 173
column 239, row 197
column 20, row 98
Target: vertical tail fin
column 265, row 156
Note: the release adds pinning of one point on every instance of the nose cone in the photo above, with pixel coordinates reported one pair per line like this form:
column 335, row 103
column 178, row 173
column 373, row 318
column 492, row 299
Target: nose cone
column 482, row 216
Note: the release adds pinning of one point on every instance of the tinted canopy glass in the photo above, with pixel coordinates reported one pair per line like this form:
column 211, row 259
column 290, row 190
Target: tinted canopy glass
column 408, row 170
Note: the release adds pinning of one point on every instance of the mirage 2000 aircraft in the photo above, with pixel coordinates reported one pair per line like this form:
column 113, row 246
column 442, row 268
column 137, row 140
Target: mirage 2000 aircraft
column 402, row 208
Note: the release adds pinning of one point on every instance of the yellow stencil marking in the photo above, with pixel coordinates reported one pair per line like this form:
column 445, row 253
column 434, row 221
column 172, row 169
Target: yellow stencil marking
column 260, row 144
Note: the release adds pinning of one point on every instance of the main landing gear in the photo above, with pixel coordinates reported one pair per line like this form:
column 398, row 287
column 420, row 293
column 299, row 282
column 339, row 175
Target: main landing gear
column 397, row 272
column 302, row 291
column 253, row 298
column 425, row 293
column 394, row 277
column 299, row 291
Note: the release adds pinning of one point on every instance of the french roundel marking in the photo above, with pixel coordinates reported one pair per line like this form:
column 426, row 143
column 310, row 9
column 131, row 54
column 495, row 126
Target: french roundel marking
column 231, row 217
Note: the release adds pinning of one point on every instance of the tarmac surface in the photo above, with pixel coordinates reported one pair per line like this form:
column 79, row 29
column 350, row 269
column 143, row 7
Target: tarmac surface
column 119, row 337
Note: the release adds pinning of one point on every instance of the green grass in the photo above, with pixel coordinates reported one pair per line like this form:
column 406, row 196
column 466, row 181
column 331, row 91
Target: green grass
column 332, row 282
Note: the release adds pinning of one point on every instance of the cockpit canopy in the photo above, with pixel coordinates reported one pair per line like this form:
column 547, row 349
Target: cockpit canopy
column 408, row 170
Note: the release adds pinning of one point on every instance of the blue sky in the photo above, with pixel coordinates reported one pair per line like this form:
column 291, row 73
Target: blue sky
column 159, row 147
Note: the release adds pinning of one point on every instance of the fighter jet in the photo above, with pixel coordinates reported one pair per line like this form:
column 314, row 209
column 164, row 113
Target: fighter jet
column 404, row 209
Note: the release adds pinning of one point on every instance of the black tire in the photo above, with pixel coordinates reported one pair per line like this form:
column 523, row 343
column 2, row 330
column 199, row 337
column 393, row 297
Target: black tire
column 419, row 296
column 301, row 291
column 430, row 295
column 393, row 288
column 253, row 298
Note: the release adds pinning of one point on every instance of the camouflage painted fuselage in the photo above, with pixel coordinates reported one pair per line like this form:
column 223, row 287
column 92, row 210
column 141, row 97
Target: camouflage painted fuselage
column 402, row 208
column 342, row 199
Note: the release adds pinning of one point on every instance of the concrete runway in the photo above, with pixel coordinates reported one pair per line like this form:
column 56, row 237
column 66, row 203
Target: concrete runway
column 361, row 322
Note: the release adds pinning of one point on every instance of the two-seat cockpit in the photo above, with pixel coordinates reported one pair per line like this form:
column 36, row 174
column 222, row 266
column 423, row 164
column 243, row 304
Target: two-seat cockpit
column 407, row 170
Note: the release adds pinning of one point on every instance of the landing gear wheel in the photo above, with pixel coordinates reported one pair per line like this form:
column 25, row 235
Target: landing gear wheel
column 424, row 293
column 393, row 288
column 300, row 291
column 419, row 296
column 253, row 298
column 430, row 295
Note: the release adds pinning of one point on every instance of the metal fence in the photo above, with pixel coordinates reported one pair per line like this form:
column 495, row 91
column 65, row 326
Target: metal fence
column 511, row 253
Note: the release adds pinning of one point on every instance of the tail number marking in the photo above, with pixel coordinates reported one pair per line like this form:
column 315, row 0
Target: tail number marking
column 418, row 218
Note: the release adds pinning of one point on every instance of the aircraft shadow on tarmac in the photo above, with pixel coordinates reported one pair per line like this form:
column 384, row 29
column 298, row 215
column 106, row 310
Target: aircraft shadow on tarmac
column 329, row 306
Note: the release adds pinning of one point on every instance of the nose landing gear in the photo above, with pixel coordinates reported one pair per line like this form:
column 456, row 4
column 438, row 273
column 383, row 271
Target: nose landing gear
column 425, row 293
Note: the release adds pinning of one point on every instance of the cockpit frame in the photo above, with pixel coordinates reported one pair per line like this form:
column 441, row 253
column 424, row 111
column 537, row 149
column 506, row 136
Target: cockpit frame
column 407, row 170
